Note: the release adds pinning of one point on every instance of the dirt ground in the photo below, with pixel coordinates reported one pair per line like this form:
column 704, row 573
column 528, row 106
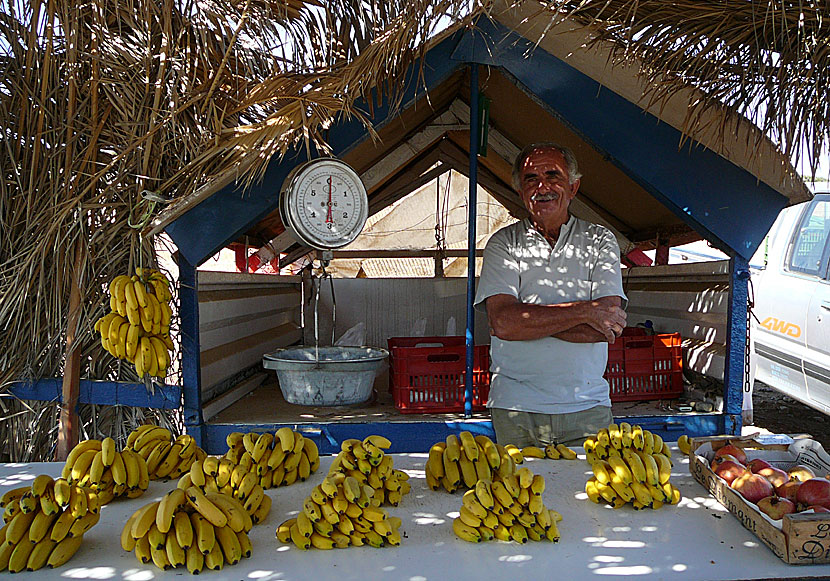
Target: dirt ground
column 781, row 414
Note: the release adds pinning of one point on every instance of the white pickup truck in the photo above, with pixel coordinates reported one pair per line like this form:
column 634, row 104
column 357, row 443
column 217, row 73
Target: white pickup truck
column 790, row 333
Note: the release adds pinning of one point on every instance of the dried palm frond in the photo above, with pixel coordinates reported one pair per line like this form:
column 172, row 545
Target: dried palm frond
column 102, row 101
column 767, row 61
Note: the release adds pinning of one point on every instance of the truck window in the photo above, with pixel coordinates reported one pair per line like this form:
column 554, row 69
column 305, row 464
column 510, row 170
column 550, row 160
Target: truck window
column 808, row 254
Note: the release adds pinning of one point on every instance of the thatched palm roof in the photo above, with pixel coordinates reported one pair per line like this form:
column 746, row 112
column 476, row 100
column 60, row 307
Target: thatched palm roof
column 100, row 102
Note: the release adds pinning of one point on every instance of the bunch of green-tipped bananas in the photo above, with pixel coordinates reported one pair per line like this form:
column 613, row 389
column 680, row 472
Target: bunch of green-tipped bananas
column 462, row 460
column 510, row 509
column 219, row 475
column 189, row 527
column 45, row 523
column 137, row 328
column 98, row 466
column 338, row 514
column 630, row 464
column 166, row 457
column 366, row 462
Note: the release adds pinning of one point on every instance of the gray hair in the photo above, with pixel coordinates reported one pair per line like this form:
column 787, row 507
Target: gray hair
column 570, row 161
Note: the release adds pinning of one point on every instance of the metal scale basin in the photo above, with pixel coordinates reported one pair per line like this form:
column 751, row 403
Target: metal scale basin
column 341, row 376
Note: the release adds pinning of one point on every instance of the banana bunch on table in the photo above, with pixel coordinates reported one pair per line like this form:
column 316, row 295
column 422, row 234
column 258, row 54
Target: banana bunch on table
column 200, row 530
column 366, row 462
column 218, row 475
column 463, row 460
column 340, row 513
column 98, row 466
column 509, row 509
column 137, row 328
column 278, row 459
column 45, row 523
column 165, row 456
column 630, row 465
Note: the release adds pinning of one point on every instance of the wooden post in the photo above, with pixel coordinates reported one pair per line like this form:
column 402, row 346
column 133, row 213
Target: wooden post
column 68, row 427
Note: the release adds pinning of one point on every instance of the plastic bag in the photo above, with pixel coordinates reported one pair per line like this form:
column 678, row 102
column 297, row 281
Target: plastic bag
column 353, row 337
column 419, row 328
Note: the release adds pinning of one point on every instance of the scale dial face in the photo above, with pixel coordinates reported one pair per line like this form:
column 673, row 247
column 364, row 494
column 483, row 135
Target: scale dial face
column 324, row 204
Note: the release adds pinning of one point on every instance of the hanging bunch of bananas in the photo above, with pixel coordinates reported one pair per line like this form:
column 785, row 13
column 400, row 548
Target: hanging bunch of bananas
column 137, row 328
column 461, row 461
column 340, row 513
column 218, row 475
column 98, row 466
column 189, row 527
column 630, row 465
column 165, row 457
column 45, row 523
column 366, row 462
column 510, row 509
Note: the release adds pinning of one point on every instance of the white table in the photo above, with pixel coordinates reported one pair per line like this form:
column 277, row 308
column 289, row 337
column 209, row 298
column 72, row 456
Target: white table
column 696, row 539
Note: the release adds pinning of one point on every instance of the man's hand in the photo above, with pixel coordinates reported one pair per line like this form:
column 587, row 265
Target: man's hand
column 606, row 316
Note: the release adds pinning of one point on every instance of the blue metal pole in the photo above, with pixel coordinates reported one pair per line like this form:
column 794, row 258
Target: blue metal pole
column 734, row 367
column 471, row 239
column 191, row 363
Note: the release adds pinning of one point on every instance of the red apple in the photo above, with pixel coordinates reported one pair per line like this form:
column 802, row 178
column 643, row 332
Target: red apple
column 817, row 508
column 776, row 507
column 730, row 470
column 774, row 475
column 788, row 490
column 732, row 451
column 752, row 487
column 815, row 491
column 801, row 473
column 756, row 464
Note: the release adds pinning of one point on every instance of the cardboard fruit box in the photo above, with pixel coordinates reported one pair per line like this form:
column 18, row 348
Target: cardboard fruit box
column 797, row 539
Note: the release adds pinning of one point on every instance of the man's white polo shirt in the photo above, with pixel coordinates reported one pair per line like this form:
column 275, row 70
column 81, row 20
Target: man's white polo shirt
column 550, row 375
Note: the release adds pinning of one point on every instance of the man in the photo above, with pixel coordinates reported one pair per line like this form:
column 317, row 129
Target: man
column 552, row 288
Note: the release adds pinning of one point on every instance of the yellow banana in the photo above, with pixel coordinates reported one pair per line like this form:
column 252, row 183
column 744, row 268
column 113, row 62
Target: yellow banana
column 514, row 453
column 684, row 444
column 214, row 559
column 565, row 452
column 195, row 560
column 621, row 469
column 623, row 490
column 176, row 554
column 637, row 437
column 204, row 533
column 602, row 471
column 648, row 442
column 641, row 493
column 205, row 507
column 465, row 532
column 652, row 471
column 518, row 533
column 63, row 551
column 635, row 464
column 284, row 530
column 60, row 528
column 230, row 544
column 663, row 467
column 551, row 452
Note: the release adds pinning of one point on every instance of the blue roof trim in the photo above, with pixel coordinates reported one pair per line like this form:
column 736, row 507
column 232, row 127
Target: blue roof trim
column 226, row 215
column 705, row 190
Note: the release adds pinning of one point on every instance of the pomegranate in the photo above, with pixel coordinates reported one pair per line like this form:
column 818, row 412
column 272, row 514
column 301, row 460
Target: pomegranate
column 756, row 464
column 815, row 491
column 738, row 453
column 776, row 507
column 774, row 475
column 726, row 457
column 788, row 490
column 729, row 470
column 801, row 473
column 753, row 487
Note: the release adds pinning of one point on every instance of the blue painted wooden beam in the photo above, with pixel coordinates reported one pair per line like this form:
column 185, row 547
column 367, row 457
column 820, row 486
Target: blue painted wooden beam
column 417, row 437
column 735, row 365
column 720, row 200
column 226, row 215
column 471, row 240
column 191, row 348
column 100, row 392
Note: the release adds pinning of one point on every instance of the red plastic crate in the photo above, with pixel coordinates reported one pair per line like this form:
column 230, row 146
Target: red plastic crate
column 427, row 374
column 642, row 366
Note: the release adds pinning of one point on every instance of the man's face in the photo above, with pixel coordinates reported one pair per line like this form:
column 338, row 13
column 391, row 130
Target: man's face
column 545, row 189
